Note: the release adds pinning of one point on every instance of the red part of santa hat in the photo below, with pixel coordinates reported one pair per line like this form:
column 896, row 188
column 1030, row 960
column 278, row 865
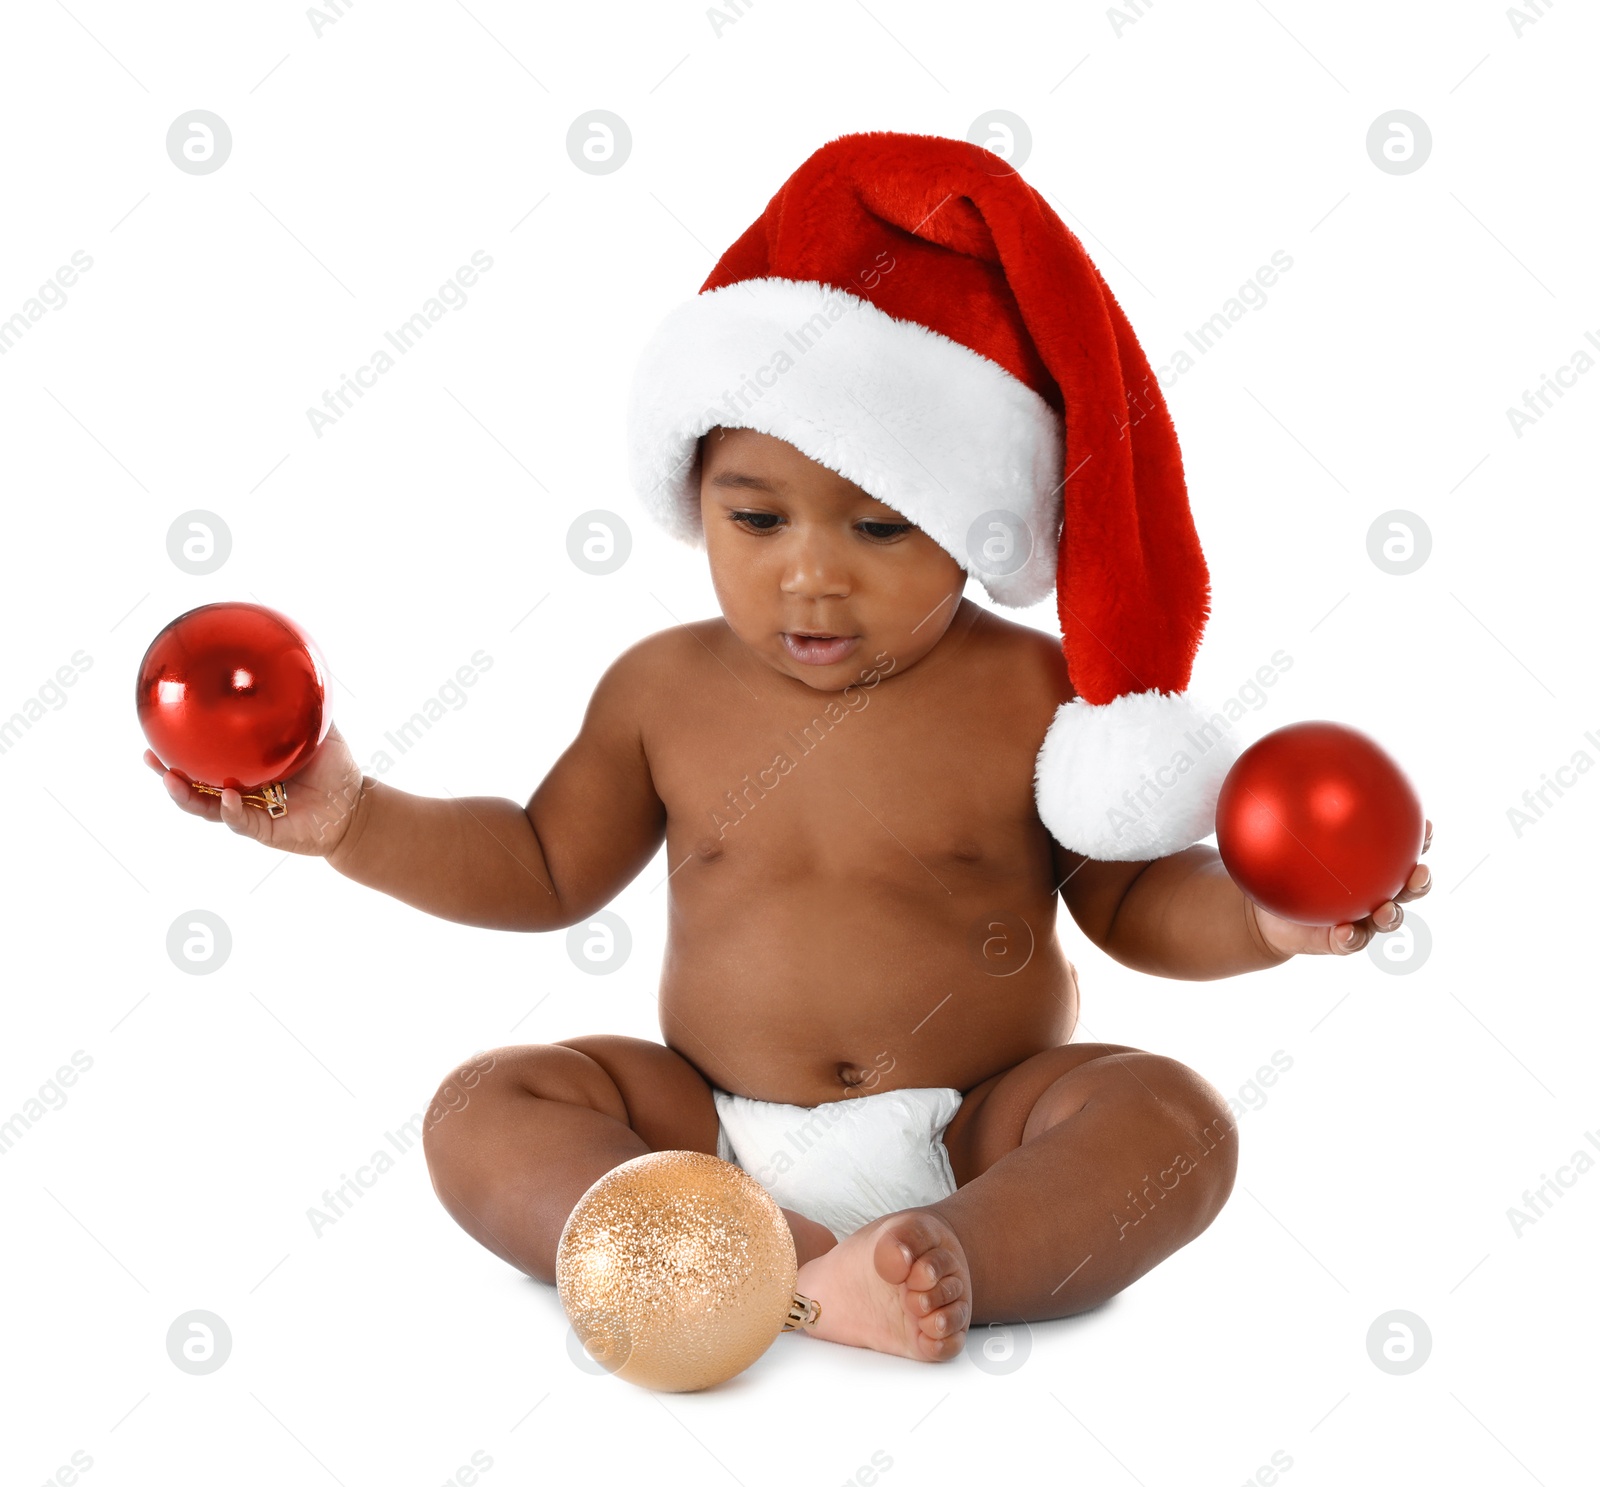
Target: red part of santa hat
column 908, row 312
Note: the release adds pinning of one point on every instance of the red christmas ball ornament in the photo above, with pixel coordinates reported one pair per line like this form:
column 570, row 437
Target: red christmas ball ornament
column 1318, row 824
column 234, row 695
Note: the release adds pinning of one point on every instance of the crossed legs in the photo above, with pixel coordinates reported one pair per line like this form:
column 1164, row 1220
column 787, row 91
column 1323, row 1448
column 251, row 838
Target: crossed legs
column 1078, row 1171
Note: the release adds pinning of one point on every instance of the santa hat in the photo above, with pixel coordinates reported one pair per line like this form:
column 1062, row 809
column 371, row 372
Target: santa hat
column 908, row 312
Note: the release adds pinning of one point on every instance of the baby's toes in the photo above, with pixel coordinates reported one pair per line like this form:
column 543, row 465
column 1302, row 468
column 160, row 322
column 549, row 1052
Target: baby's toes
column 931, row 1267
column 948, row 1288
column 943, row 1333
column 903, row 1242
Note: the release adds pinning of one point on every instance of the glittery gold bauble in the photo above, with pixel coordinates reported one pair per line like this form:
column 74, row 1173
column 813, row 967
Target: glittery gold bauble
column 676, row 1270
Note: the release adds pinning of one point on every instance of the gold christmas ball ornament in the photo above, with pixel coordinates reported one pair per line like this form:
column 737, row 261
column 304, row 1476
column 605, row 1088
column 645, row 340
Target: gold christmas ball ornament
column 677, row 1270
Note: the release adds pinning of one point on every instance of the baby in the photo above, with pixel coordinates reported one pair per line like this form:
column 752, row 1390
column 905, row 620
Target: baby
column 863, row 1000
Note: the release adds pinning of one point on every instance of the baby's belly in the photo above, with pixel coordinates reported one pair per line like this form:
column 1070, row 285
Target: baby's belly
column 842, row 988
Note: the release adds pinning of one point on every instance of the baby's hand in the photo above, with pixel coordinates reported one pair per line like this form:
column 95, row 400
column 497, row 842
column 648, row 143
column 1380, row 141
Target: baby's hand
column 1287, row 938
column 323, row 798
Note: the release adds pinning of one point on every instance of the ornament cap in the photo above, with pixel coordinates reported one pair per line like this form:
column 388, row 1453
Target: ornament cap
column 803, row 1313
column 273, row 798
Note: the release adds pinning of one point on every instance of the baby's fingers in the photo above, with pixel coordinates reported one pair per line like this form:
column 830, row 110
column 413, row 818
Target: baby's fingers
column 242, row 819
column 1346, row 939
column 189, row 799
column 1420, row 881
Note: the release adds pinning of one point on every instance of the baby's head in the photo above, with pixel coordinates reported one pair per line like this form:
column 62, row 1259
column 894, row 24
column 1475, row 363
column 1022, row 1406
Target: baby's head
column 796, row 550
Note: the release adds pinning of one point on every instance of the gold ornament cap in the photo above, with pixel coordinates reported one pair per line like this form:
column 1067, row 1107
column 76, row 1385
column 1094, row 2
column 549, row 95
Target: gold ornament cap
column 273, row 798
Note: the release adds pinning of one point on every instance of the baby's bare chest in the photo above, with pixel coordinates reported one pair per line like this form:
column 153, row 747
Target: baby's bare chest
column 871, row 783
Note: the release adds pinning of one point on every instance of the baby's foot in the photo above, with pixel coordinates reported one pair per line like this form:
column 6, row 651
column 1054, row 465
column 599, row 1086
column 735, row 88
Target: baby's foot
column 899, row 1284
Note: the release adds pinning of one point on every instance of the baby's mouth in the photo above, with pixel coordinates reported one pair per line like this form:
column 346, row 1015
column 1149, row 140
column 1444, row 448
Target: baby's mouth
column 818, row 649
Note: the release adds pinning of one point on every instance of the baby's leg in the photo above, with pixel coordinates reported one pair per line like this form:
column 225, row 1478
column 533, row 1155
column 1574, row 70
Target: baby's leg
column 547, row 1120
column 1078, row 1170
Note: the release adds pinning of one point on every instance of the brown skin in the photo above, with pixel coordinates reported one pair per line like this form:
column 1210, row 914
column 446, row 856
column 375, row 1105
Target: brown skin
column 875, row 913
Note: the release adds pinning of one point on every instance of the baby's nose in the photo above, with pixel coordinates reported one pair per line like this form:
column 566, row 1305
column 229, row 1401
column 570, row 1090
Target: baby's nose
column 816, row 571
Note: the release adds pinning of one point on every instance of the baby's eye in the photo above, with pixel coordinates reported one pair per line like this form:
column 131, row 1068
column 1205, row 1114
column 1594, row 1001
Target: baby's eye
column 883, row 530
column 756, row 521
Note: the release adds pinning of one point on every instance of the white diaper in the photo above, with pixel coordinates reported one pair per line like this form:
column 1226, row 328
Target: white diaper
column 847, row 1162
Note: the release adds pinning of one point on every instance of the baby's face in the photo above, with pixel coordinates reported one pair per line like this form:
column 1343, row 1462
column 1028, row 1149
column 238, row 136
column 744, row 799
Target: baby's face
column 796, row 550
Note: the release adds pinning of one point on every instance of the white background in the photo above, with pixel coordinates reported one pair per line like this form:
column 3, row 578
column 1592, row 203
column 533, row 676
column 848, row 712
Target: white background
column 368, row 163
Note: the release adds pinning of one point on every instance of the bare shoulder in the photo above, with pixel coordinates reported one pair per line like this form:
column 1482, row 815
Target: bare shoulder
column 667, row 656
column 1028, row 663
column 651, row 675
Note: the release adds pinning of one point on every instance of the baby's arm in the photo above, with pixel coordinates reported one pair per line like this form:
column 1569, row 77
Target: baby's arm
column 1182, row 916
column 592, row 824
column 590, row 827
